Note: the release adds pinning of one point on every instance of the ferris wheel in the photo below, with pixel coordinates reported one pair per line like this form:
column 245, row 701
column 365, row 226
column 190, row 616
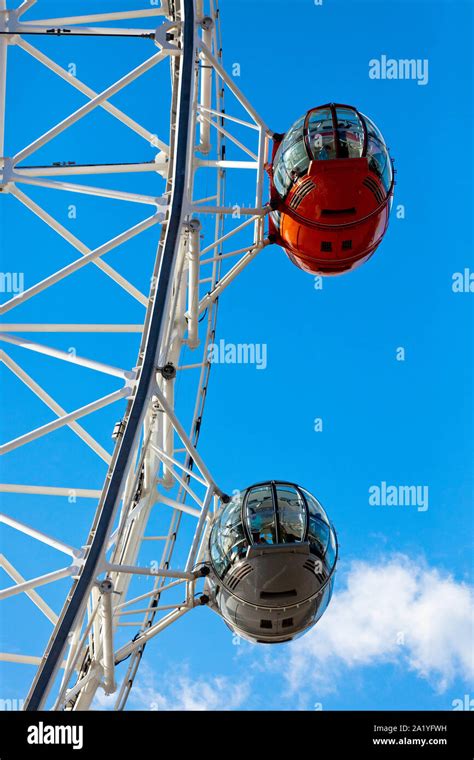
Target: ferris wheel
column 157, row 490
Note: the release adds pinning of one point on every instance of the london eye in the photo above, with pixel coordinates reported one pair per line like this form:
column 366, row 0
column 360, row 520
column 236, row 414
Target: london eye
column 261, row 556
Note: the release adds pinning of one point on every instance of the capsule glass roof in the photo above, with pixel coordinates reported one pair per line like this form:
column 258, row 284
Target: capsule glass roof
column 328, row 133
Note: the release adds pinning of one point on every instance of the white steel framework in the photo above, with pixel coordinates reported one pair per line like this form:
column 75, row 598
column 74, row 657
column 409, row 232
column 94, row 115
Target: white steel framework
column 155, row 478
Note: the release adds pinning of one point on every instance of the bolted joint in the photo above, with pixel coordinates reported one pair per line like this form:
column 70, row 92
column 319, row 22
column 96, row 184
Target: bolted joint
column 118, row 430
column 168, row 371
column 194, row 225
column 204, row 599
column 7, row 24
column 106, row 586
column 6, row 174
column 225, row 498
column 207, row 23
column 164, row 36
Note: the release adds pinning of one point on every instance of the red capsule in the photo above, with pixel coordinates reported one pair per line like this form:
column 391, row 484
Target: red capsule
column 331, row 189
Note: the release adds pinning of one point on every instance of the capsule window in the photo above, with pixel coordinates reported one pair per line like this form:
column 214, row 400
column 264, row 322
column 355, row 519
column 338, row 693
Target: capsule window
column 319, row 529
column 291, row 162
column 294, row 133
column 266, row 624
column 228, row 540
column 321, row 134
column 296, row 160
column 318, row 535
column 326, row 246
column 261, row 515
column 218, row 557
column 325, row 599
column 331, row 551
column 372, row 129
column 346, row 245
column 280, row 177
column 231, row 537
column 287, row 623
column 291, row 514
column 314, row 507
column 377, row 153
column 350, row 132
column 379, row 161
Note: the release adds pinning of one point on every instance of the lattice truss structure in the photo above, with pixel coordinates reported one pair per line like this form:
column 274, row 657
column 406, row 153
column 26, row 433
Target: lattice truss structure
column 129, row 511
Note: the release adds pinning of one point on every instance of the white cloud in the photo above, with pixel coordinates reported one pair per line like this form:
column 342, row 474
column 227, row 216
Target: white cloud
column 182, row 692
column 103, row 701
column 396, row 610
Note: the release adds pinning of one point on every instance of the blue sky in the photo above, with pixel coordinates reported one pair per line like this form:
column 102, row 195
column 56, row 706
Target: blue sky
column 397, row 633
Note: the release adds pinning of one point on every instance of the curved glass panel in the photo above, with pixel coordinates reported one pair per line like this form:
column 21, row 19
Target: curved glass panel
column 261, row 518
column 232, row 540
column 321, row 136
column 291, row 514
column 327, row 594
column 231, row 514
column 294, row 133
column 217, row 555
column 228, row 540
column 295, row 130
column 318, row 525
column 331, row 551
column 296, row 160
column 377, row 154
column 379, row 161
column 350, row 132
column 372, row 129
column 291, row 160
column 314, row 507
column 280, row 177
column 318, row 535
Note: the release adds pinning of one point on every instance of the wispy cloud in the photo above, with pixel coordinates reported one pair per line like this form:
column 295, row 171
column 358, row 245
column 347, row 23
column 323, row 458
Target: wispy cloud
column 178, row 690
column 396, row 610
